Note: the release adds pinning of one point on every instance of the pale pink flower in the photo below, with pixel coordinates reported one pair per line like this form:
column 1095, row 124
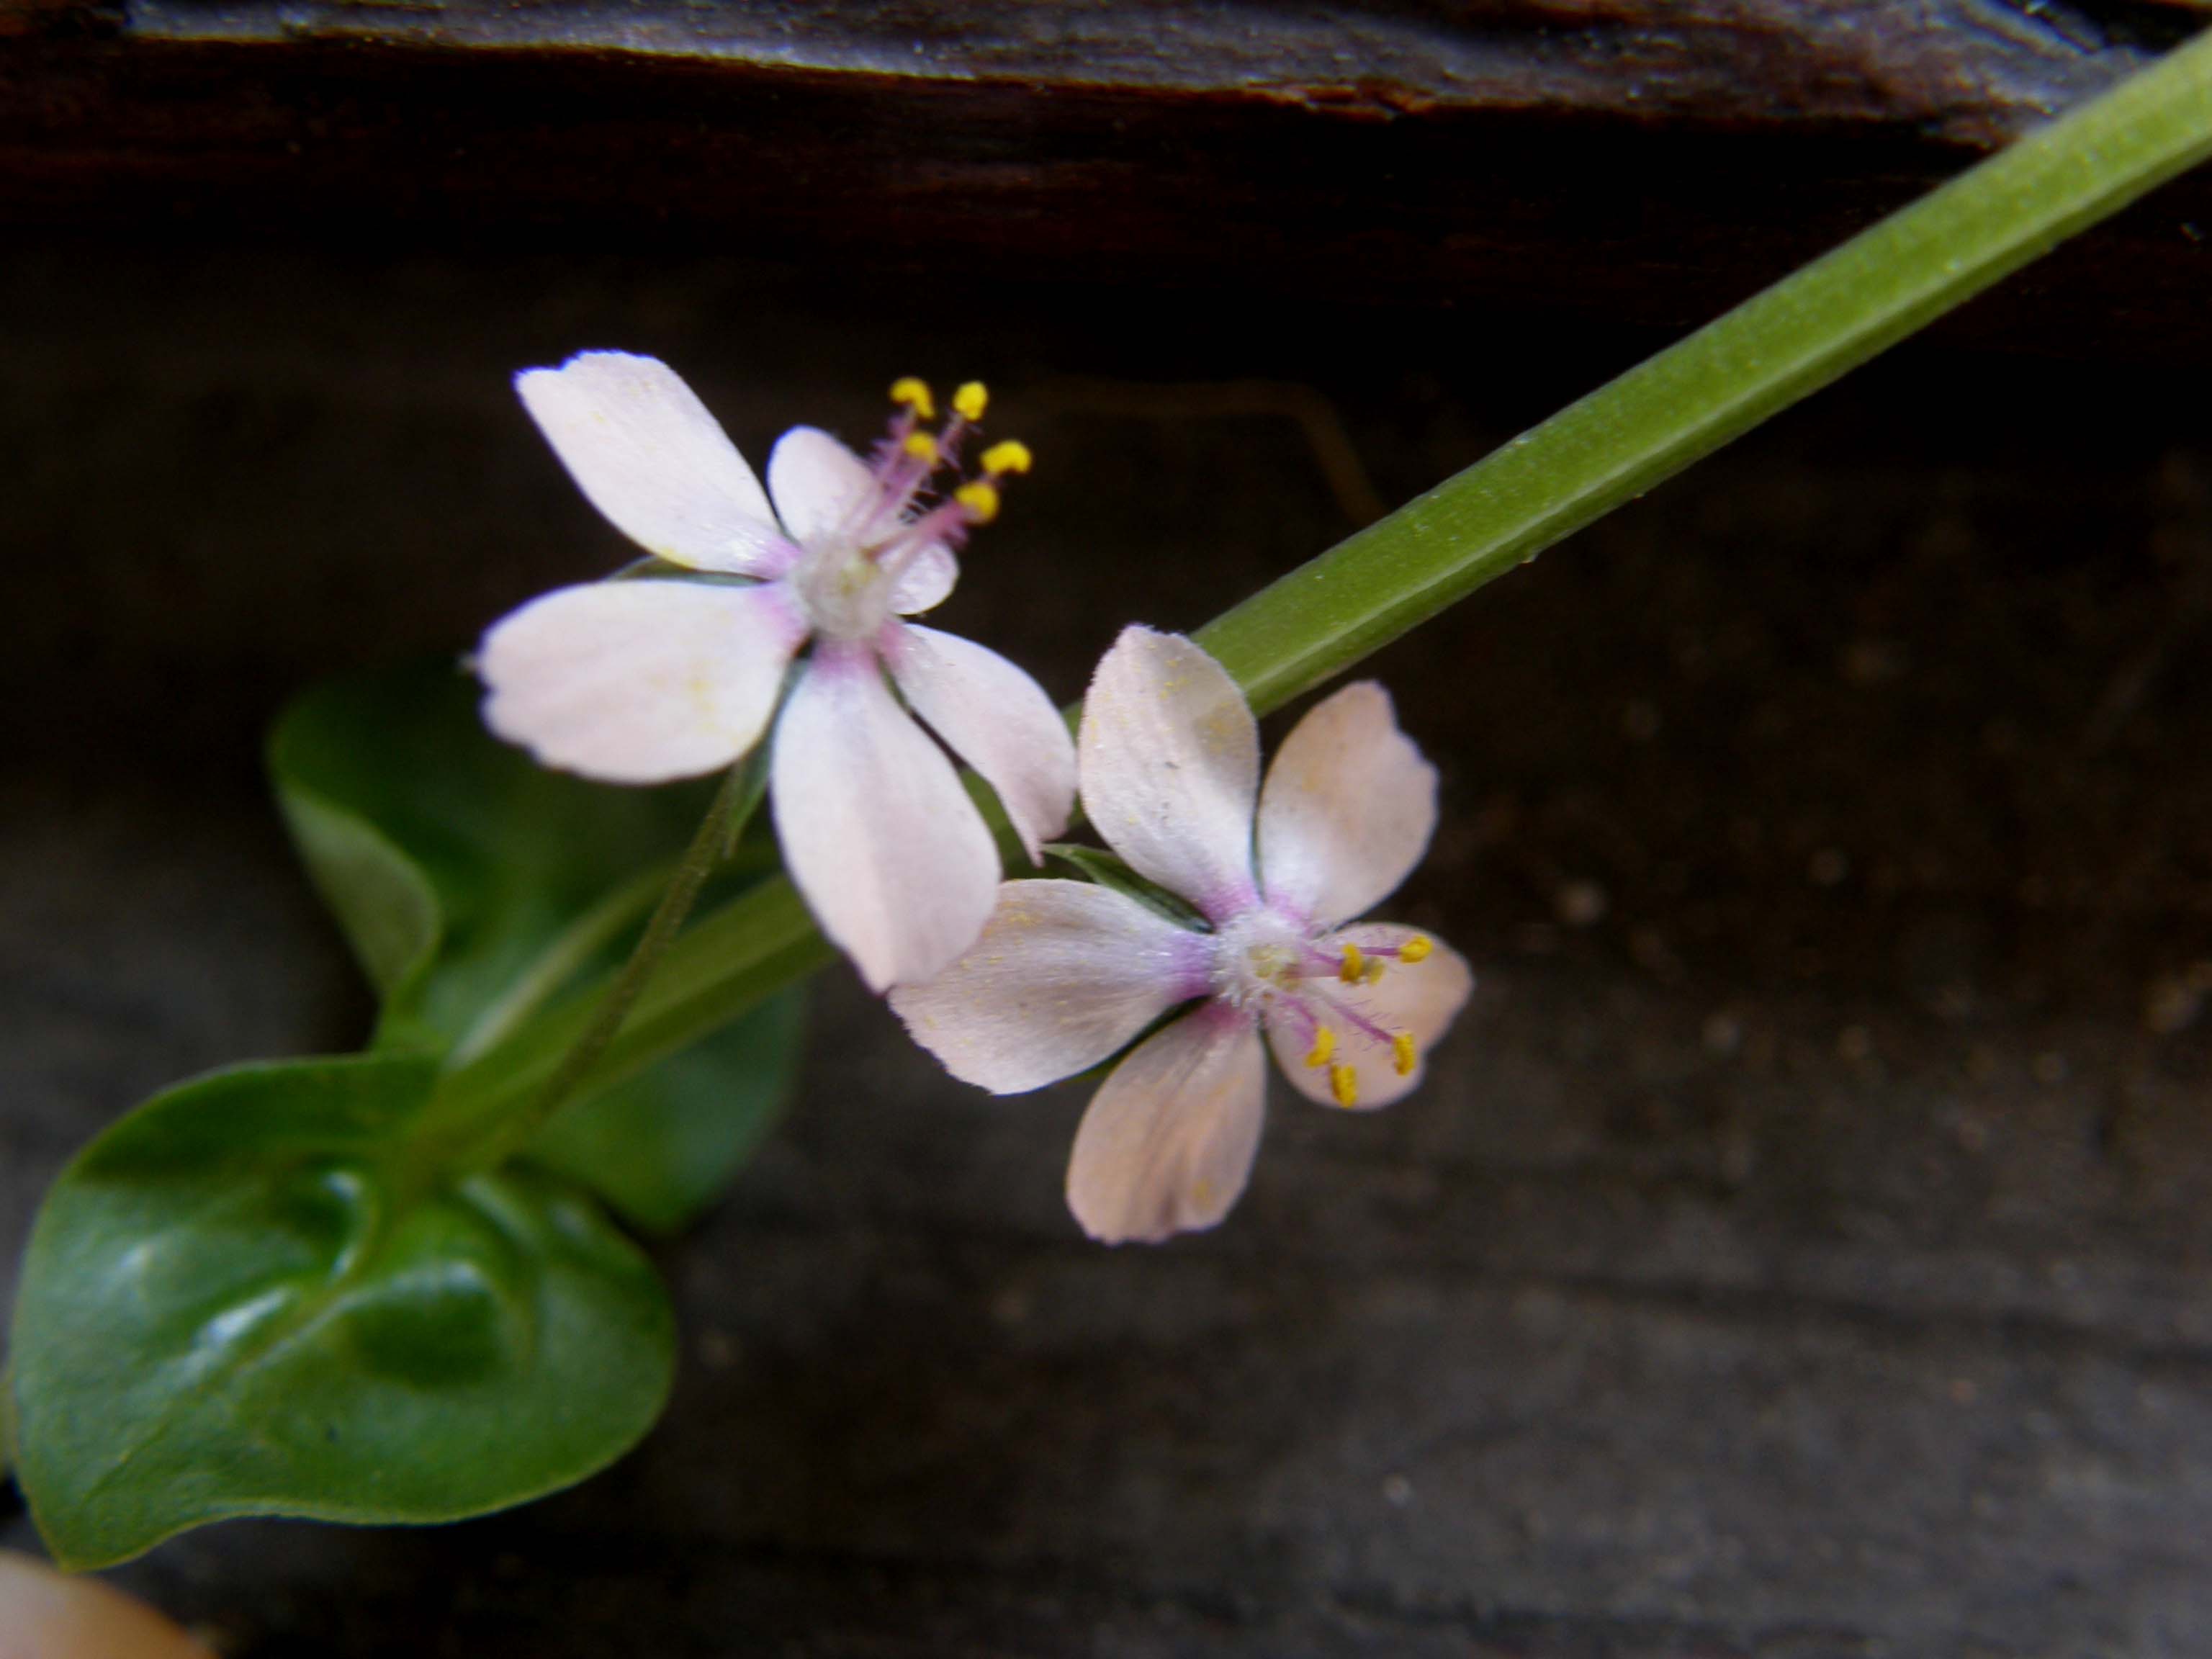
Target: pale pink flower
column 1068, row 972
column 645, row 680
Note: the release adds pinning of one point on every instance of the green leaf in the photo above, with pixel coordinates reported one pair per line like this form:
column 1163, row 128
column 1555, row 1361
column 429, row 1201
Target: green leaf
column 470, row 881
column 660, row 1147
column 476, row 887
column 723, row 965
column 243, row 1299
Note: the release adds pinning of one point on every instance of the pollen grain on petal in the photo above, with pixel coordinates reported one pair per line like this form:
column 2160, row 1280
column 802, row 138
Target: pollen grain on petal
column 914, row 393
column 969, row 402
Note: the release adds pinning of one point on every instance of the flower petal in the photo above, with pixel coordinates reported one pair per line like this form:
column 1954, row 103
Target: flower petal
column 890, row 854
column 46, row 1615
column 923, row 584
column 821, row 489
column 996, row 718
column 640, row 681
column 1347, row 810
column 1066, row 973
column 1167, row 1142
column 1170, row 760
column 1420, row 998
column 643, row 448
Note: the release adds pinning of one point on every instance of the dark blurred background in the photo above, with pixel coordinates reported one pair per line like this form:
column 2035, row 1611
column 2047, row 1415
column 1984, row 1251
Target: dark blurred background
column 1803, row 1246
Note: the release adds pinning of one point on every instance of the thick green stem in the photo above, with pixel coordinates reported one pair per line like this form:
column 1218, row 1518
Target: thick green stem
column 1611, row 447
column 1807, row 330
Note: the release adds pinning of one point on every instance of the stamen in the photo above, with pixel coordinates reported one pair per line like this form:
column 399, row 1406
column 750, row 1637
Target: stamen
column 1374, row 973
column 981, row 498
column 921, row 446
column 1011, row 456
column 1354, row 965
column 1416, row 949
column 1344, row 1084
column 1324, row 1045
column 1348, row 1016
column 916, row 395
column 968, row 403
column 1401, row 1052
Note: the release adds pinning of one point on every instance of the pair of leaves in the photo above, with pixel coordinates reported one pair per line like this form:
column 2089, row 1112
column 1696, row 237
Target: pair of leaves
column 264, row 1292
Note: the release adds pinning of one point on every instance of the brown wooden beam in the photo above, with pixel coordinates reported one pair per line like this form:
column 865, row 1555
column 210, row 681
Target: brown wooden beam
column 1647, row 161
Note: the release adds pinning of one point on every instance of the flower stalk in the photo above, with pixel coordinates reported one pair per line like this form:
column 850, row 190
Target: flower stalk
column 716, row 838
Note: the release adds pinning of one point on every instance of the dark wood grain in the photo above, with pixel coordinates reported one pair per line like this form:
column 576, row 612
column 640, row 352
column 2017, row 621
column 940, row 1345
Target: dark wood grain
column 1646, row 159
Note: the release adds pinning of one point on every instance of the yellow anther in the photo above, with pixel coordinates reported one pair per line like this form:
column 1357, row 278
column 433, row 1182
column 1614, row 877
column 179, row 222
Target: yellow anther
column 1374, row 970
column 969, row 402
column 916, row 395
column 981, row 499
column 1417, row 948
column 1011, row 456
column 921, row 446
column 1324, row 1046
column 1344, row 1084
column 1401, row 1052
column 1354, row 965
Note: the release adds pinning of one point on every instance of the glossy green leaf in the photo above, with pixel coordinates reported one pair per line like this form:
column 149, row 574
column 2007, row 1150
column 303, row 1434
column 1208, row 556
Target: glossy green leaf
column 243, row 1299
column 476, row 887
column 470, row 881
column 661, row 1146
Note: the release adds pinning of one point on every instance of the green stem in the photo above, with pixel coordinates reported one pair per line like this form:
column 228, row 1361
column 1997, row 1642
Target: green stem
column 1797, row 336
column 561, row 960
column 596, row 1021
column 1613, row 444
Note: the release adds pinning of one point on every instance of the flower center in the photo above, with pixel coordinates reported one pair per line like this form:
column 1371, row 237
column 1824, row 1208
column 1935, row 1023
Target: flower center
column 1259, row 958
column 849, row 578
column 846, row 594
column 1315, row 985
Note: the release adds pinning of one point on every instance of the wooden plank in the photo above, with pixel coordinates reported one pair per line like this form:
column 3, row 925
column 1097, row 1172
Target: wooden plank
column 1649, row 159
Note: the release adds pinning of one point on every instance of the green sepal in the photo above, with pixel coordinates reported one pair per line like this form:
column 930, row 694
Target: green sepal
column 242, row 1300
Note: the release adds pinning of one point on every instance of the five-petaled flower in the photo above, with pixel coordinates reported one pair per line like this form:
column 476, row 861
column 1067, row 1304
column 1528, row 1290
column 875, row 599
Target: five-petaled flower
column 1068, row 972
column 645, row 680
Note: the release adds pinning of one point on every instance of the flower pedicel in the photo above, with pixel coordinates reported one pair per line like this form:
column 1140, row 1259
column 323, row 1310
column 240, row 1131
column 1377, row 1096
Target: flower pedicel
column 644, row 681
column 1067, row 972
